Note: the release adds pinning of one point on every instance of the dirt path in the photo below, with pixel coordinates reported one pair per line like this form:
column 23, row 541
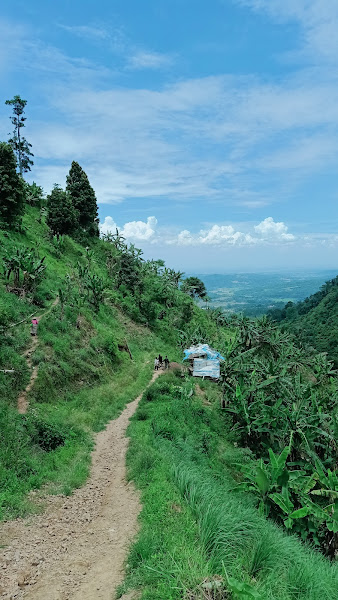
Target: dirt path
column 22, row 399
column 77, row 548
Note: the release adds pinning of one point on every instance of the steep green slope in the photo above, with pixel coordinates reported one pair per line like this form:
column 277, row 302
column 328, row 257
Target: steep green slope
column 85, row 373
column 104, row 314
column 315, row 320
column 197, row 527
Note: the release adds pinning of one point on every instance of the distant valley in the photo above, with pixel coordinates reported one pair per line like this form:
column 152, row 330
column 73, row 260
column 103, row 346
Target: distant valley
column 255, row 293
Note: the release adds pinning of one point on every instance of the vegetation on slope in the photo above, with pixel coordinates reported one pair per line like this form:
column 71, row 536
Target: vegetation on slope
column 315, row 320
column 110, row 303
column 105, row 313
column 201, row 537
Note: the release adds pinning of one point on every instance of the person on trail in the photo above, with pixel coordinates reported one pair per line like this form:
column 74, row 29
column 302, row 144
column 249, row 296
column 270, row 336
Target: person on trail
column 34, row 326
column 166, row 362
column 160, row 360
column 156, row 364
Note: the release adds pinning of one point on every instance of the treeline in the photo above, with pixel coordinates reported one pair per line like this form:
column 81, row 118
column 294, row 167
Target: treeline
column 315, row 320
column 71, row 211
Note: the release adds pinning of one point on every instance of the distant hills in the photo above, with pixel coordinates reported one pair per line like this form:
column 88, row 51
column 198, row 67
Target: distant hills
column 315, row 320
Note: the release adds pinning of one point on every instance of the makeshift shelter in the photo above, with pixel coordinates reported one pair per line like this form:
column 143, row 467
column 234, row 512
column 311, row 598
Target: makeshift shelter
column 204, row 361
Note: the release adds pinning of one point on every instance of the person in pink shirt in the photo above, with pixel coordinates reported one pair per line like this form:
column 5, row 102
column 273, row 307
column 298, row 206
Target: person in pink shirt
column 34, row 326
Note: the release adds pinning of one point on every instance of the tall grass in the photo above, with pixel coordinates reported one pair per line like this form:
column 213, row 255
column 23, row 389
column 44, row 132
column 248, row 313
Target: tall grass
column 194, row 526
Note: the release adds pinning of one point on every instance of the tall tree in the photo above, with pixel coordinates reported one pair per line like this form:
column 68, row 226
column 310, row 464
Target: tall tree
column 19, row 143
column 194, row 287
column 12, row 187
column 83, row 199
column 61, row 216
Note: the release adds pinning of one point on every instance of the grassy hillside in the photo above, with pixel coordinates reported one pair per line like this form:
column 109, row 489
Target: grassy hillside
column 85, row 373
column 201, row 537
column 314, row 321
column 231, row 515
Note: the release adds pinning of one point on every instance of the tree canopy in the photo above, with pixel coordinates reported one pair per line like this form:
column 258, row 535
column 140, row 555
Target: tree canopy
column 12, row 191
column 61, row 217
column 83, row 199
column 194, row 287
column 19, row 143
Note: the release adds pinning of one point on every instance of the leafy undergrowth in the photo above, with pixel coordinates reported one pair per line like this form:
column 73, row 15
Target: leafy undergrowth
column 85, row 372
column 79, row 388
column 199, row 538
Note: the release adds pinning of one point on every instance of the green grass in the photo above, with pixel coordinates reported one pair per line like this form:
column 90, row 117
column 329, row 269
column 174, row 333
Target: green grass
column 83, row 379
column 194, row 526
column 78, row 390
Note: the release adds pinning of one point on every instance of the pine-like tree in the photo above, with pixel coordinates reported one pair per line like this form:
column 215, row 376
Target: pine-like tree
column 61, row 216
column 19, row 143
column 83, row 199
column 12, row 188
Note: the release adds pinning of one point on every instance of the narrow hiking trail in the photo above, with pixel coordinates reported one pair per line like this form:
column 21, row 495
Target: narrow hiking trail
column 23, row 403
column 77, row 548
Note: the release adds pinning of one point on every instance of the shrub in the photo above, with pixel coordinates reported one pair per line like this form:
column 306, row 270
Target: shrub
column 48, row 436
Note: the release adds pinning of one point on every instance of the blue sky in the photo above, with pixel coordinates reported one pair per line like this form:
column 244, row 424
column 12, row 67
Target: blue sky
column 209, row 130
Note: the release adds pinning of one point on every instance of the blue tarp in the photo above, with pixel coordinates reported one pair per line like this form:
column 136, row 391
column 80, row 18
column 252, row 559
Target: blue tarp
column 202, row 350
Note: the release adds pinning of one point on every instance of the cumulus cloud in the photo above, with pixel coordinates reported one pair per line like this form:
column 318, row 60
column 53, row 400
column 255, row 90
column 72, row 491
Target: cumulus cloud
column 266, row 232
column 271, row 231
column 108, row 226
column 133, row 230
column 139, row 230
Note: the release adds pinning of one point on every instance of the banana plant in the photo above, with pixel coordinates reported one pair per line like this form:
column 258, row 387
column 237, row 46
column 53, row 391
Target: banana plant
column 24, row 270
column 267, row 479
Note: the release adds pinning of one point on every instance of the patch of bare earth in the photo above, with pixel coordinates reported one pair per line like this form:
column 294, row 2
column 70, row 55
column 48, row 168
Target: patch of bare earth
column 77, row 548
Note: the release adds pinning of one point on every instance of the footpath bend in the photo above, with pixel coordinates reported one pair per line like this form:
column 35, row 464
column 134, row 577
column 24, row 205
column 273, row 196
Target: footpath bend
column 77, row 548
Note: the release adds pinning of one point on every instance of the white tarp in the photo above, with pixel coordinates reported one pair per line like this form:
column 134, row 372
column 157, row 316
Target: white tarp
column 206, row 368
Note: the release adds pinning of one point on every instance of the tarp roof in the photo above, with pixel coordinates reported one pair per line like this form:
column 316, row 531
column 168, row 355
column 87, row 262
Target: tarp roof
column 202, row 350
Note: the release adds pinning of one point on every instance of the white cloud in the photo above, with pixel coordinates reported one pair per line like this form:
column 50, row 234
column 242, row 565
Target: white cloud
column 318, row 19
column 150, row 143
column 134, row 231
column 266, row 232
column 217, row 234
column 223, row 139
column 108, row 226
column 139, row 230
column 269, row 230
column 149, row 60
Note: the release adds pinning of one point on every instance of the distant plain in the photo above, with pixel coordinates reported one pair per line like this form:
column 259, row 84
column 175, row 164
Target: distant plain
column 255, row 293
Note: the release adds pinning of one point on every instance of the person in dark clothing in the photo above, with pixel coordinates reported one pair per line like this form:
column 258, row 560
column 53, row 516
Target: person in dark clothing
column 166, row 362
column 160, row 360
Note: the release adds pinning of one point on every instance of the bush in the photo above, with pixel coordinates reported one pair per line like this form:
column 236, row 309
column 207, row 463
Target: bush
column 160, row 388
column 48, row 436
